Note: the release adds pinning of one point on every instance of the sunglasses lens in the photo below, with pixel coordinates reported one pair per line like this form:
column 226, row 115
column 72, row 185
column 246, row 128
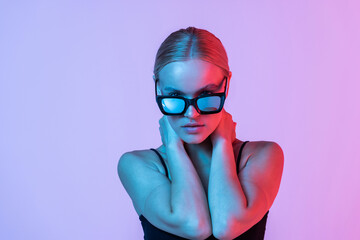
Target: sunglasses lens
column 209, row 104
column 173, row 105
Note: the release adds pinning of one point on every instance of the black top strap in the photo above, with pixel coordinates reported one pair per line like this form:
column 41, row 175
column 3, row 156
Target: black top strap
column 238, row 158
column 162, row 161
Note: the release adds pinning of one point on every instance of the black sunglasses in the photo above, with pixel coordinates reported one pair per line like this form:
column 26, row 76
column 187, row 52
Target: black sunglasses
column 204, row 104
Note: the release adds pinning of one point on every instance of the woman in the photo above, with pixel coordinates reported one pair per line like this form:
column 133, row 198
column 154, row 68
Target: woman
column 202, row 182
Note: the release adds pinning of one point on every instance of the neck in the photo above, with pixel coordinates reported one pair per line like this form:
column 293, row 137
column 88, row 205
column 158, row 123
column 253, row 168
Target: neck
column 200, row 153
column 205, row 146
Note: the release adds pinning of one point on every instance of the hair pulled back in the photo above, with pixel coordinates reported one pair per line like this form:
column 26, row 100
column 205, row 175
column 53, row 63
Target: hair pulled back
column 191, row 43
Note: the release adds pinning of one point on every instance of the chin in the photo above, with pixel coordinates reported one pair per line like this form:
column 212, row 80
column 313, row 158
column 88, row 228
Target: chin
column 194, row 139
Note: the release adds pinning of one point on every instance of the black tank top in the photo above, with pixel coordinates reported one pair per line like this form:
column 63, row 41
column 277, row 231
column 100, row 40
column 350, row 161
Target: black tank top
column 151, row 232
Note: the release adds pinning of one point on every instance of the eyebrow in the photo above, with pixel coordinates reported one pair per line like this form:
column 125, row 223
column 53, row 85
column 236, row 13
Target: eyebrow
column 211, row 86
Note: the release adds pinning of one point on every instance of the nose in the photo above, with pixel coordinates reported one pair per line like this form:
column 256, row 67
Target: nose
column 191, row 112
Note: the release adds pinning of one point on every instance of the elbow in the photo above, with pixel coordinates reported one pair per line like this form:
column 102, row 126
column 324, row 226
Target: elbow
column 220, row 233
column 201, row 233
column 200, row 229
column 221, row 225
column 230, row 229
column 223, row 235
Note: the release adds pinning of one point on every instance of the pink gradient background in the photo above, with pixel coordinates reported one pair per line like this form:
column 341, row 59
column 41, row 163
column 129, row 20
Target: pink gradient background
column 76, row 92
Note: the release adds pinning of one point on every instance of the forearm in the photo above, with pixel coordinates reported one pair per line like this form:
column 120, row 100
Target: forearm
column 226, row 197
column 188, row 198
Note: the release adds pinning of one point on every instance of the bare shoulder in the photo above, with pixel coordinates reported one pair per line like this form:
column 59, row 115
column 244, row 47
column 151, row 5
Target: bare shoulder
column 145, row 157
column 265, row 150
column 139, row 173
column 263, row 170
column 250, row 149
column 150, row 192
column 265, row 153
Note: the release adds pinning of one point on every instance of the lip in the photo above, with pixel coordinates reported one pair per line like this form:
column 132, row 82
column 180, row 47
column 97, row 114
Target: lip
column 193, row 128
column 193, row 125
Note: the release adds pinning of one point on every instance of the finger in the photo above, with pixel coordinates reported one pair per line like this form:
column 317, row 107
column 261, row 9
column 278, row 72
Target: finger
column 160, row 131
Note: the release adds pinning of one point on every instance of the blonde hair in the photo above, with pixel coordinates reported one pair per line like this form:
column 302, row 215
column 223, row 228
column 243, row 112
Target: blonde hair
column 191, row 43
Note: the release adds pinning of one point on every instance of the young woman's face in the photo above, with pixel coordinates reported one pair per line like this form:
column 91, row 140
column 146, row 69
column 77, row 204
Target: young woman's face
column 188, row 77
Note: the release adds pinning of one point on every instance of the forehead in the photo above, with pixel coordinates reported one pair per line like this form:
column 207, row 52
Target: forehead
column 189, row 76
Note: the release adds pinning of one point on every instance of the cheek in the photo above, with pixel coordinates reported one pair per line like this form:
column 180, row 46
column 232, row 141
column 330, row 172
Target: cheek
column 175, row 123
column 213, row 122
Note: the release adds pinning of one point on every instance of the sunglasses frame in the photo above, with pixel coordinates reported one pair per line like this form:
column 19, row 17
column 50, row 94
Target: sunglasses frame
column 192, row 101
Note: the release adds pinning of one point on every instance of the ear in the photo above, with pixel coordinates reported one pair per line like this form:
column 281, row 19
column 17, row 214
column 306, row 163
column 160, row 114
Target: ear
column 228, row 83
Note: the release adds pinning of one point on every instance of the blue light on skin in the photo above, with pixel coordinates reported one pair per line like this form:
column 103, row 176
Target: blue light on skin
column 188, row 77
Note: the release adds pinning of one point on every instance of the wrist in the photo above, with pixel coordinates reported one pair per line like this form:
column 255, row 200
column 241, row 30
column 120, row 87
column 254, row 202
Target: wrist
column 174, row 145
column 222, row 141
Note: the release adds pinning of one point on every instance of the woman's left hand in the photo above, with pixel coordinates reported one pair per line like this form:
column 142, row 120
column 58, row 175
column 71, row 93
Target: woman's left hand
column 225, row 130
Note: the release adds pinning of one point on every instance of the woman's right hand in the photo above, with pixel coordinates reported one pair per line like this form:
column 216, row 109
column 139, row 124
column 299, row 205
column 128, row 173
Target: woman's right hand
column 168, row 135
